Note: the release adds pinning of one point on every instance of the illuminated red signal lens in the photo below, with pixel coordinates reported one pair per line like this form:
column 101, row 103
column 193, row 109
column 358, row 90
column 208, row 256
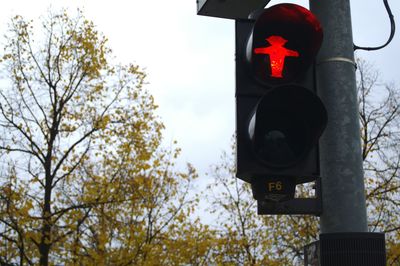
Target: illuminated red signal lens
column 277, row 53
column 283, row 44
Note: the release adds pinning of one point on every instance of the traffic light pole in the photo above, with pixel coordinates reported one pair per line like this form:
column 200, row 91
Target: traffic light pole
column 344, row 238
column 343, row 199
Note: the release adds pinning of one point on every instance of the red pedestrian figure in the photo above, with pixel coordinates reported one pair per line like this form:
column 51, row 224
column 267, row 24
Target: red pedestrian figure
column 277, row 54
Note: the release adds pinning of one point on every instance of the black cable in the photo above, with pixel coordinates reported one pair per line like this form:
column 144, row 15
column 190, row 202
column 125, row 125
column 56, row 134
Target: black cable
column 392, row 31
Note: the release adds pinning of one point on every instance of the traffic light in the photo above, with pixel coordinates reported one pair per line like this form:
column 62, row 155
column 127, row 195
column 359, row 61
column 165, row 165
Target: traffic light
column 279, row 117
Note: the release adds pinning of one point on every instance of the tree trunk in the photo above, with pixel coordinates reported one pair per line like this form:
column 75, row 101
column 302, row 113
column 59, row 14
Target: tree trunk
column 45, row 243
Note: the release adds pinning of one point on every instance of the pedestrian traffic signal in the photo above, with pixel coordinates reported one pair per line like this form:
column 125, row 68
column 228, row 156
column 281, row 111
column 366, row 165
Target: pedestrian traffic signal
column 279, row 117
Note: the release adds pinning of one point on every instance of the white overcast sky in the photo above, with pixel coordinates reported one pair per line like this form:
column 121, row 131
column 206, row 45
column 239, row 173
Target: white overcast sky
column 190, row 59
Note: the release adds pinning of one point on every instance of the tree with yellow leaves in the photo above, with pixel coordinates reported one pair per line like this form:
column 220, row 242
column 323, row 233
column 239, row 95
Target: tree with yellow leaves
column 84, row 179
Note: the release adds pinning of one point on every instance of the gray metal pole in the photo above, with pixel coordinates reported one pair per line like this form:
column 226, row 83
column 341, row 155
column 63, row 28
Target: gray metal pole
column 343, row 196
